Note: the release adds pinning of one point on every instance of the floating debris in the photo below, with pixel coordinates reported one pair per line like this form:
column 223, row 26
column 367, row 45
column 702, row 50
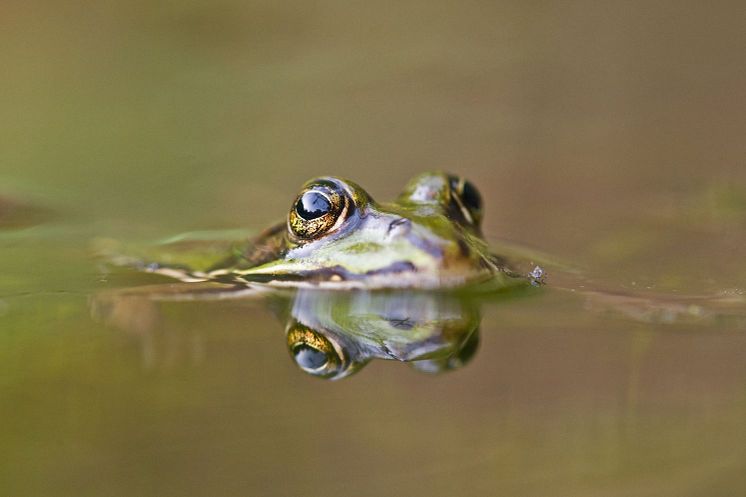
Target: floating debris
column 537, row 276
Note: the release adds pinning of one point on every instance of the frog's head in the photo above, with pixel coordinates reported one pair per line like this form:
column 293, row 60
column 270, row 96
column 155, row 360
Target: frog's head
column 336, row 235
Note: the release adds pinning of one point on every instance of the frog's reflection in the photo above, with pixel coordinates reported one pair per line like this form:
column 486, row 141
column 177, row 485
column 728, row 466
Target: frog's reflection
column 334, row 334
column 330, row 334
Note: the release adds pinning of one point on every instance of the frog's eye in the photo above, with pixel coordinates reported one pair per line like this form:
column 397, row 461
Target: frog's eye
column 467, row 197
column 314, row 353
column 319, row 209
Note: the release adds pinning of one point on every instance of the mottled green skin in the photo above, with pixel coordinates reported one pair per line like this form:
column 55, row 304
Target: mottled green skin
column 428, row 238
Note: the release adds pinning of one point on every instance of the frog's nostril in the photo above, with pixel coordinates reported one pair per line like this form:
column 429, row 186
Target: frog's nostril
column 400, row 226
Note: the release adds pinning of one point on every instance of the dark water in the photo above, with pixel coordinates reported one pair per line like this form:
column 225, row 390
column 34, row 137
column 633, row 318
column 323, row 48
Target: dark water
column 607, row 135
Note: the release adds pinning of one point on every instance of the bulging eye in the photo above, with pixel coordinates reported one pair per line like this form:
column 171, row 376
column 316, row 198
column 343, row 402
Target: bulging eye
column 471, row 197
column 312, row 205
column 318, row 210
column 467, row 196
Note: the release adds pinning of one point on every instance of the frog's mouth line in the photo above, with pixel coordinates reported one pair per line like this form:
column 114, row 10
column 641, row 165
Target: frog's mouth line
column 329, row 274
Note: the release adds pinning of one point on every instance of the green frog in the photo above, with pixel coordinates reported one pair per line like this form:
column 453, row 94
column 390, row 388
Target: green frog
column 336, row 236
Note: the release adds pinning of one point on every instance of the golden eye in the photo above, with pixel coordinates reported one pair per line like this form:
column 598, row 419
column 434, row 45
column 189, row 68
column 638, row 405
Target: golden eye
column 314, row 353
column 319, row 209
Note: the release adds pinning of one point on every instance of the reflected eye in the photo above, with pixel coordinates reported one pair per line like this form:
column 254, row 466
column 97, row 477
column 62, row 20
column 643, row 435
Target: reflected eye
column 314, row 353
column 467, row 196
column 319, row 209
column 309, row 358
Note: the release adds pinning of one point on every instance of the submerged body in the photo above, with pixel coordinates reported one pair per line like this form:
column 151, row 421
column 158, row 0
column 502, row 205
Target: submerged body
column 337, row 237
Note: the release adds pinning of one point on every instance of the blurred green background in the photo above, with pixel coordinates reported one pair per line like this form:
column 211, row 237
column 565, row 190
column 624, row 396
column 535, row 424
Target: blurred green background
column 609, row 134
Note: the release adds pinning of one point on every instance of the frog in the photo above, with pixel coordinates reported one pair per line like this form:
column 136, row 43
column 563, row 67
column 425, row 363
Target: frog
column 412, row 275
column 413, row 264
column 336, row 236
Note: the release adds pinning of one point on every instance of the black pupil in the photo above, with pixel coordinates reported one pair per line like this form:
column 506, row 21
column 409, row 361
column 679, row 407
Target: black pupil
column 471, row 197
column 312, row 205
column 308, row 357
